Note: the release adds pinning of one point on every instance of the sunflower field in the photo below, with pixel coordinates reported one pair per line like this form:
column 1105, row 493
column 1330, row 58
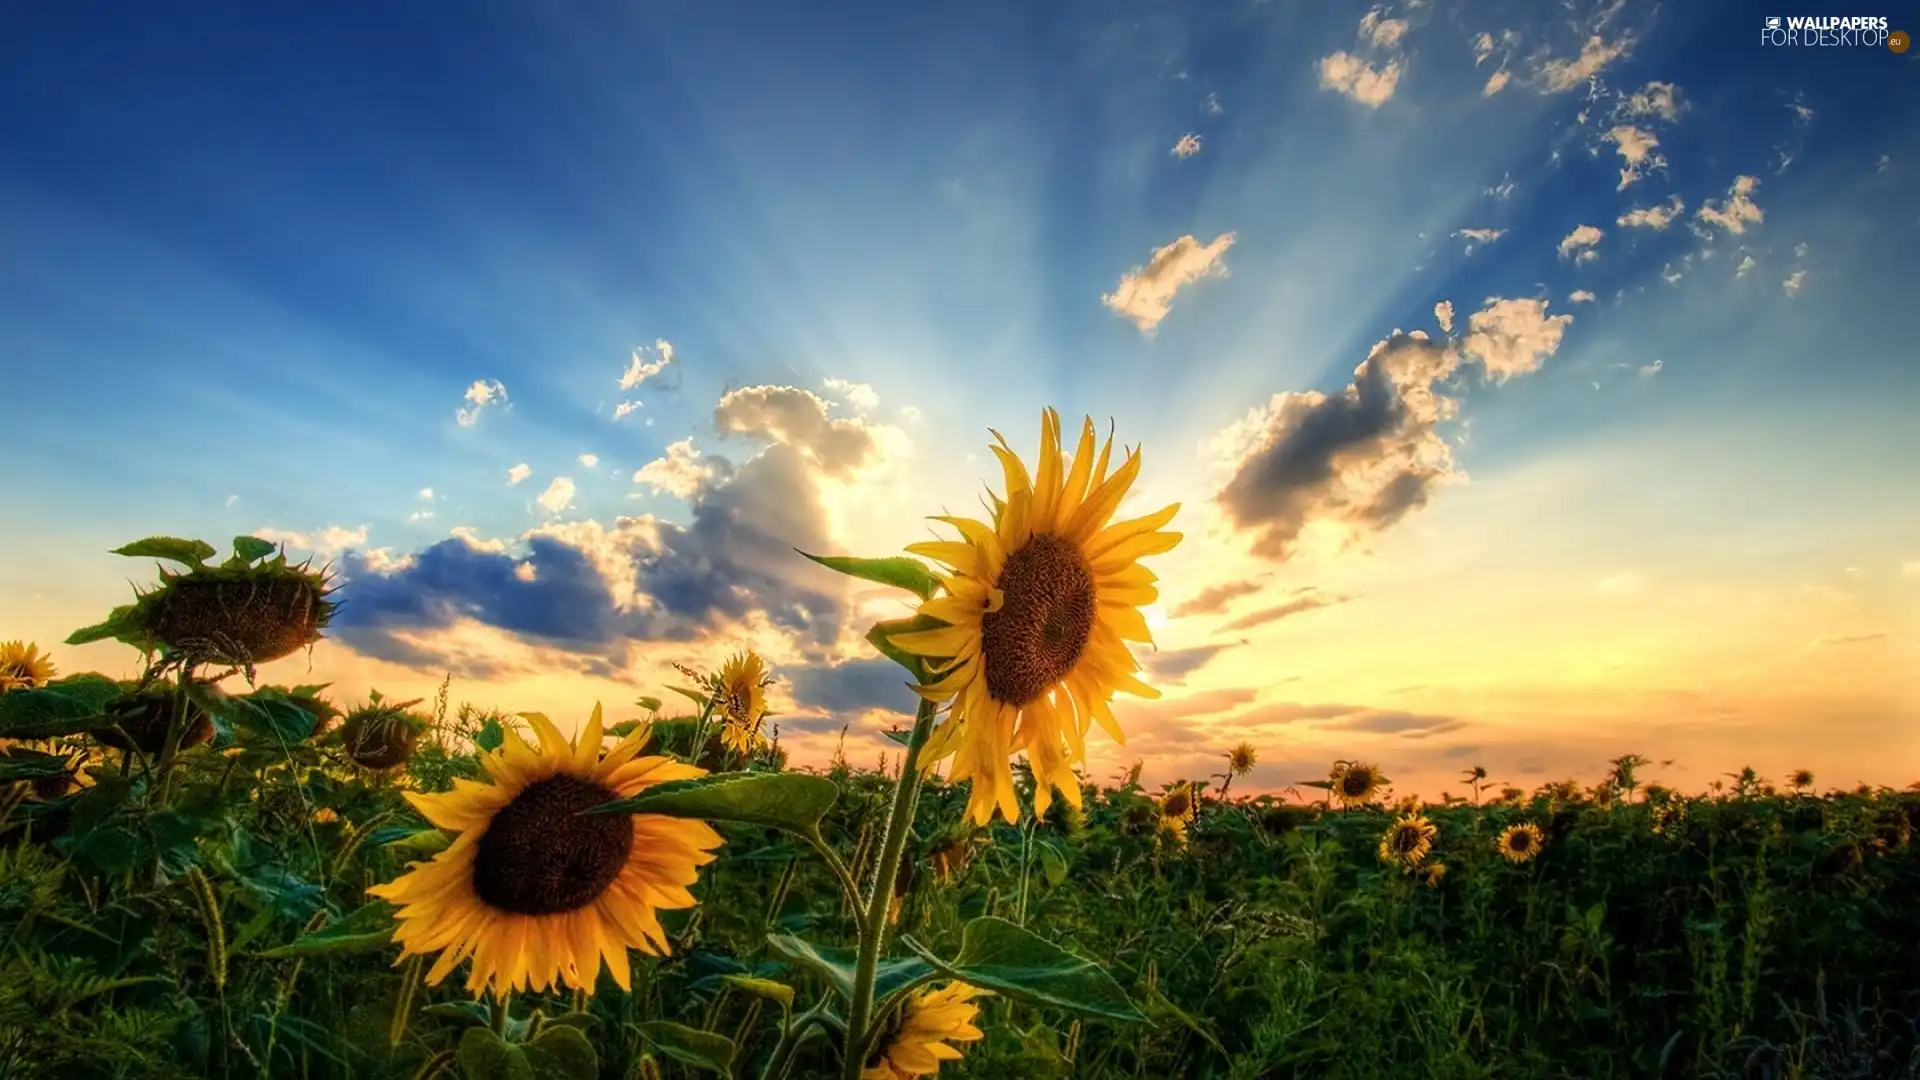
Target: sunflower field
column 204, row 875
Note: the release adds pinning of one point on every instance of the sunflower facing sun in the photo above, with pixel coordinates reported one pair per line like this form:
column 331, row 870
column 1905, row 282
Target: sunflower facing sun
column 741, row 701
column 536, row 893
column 1521, row 843
column 1040, row 603
column 23, row 666
column 1408, row 841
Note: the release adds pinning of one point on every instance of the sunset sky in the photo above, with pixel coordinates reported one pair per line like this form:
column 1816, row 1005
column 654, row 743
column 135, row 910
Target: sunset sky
column 555, row 328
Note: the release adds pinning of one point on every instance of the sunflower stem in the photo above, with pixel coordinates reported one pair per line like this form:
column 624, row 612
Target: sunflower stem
column 497, row 1012
column 873, row 923
column 176, row 730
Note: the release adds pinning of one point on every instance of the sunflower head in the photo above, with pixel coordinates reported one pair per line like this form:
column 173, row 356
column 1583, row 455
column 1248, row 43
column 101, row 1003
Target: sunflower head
column 382, row 734
column 1407, row 841
column 141, row 718
column 741, row 690
column 537, row 889
column 1038, row 604
column 1240, row 759
column 1139, row 817
column 1433, row 874
column 1355, row 782
column 23, row 666
column 243, row 612
column 1179, row 810
column 930, row 1021
column 1801, row 779
column 326, row 815
column 1520, row 843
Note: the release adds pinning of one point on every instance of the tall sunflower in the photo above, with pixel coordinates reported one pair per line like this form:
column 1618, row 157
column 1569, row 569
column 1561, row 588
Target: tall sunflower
column 741, row 701
column 931, row 1019
column 23, row 666
column 1241, row 759
column 1040, row 603
column 1355, row 782
column 535, row 892
column 1407, row 842
column 1519, row 843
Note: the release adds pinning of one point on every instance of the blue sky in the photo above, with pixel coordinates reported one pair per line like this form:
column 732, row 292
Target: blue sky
column 256, row 260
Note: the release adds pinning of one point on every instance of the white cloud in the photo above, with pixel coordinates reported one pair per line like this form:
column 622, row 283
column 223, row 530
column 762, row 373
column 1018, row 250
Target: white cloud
column 1650, row 370
column 1670, row 275
column 624, row 408
column 1145, row 294
column 333, row 538
column 680, row 473
column 1737, row 211
column 859, row 395
column 1636, row 146
column 525, row 571
column 420, row 515
column 1482, row 48
column 640, row 369
column 1746, row 264
column 1579, row 296
column 1443, row 312
column 1661, row 99
column 1501, row 191
column 1513, row 337
column 1212, row 106
column 1476, row 237
column 911, row 413
column 466, row 535
column 799, row 419
column 426, row 493
column 1359, row 80
column 1579, row 243
column 519, row 472
column 1800, row 250
column 1792, row 284
column 231, row 499
column 1383, row 32
column 1188, row 146
column 1595, row 55
column 1653, row 217
column 482, row 393
column 558, row 496
column 591, row 461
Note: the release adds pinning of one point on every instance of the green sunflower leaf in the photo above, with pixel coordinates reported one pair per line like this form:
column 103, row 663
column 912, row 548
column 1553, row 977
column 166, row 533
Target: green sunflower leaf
column 484, row 1055
column 422, row 844
column 764, row 988
column 364, row 929
column 690, row 1046
column 998, row 955
column 66, row 706
column 881, row 638
column 491, row 736
column 792, row 802
column 563, row 1052
column 898, row 571
column 698, row 697
column 21, row 764
column 649, row 703
column 836, row 967
column 247, row 549
column 192, row 554
column 124, row 623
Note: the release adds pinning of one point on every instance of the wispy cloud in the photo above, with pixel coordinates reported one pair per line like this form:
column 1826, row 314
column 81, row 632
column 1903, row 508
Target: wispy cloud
column 482, row 394
column 519, row 473
column 1737, row 210
column 558, row 496
column 1358, row 79
column 1145, row 294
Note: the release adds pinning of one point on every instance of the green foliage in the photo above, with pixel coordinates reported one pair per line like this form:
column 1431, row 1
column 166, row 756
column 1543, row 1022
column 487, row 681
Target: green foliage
column 898, row 571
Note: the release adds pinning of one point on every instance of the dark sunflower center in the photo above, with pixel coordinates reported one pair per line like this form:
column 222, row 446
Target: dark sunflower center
column 1520, row 841
column 541, row 856
column 1356, row 783
column 1406, row 839
column 1038, row 634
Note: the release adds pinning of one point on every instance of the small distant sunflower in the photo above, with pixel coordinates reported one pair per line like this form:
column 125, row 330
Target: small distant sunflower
column 1520, row 843
column 741, row 701
column 1407, row 842
column 930, row 1020
column 1039, row 603
column 1241, row 759
column 1179, row 810
column 23, row 666
column 326, row 815
column 1433, row 874
column 1355, row 782
column 382, row 734
column 1801, row 779
column 535, row 892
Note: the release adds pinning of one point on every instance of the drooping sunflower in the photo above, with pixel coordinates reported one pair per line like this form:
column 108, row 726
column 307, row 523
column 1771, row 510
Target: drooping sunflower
column 1519, row 843
column 930, row 1020
column 534, row 891
column 741, row 700
column 1407, row 841
column 1355, row 782
column 23, row 666
column 382, row 734
column 1241, row 759
column 1040, row 603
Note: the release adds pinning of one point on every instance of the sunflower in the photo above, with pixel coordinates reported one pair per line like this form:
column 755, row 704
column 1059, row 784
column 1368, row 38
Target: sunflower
column 1407, row 842
column 1433, row 874
column 740, row 697
column 1240, row 759
column 931, row 1019
column 1040, row 604
column 1519, row 843
column 1355, row 782
column 1178, row 811
column 1800, row 780
column 23, row 666
column 535, row 892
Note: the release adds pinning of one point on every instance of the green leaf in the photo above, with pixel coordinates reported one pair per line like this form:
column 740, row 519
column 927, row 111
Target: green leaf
column 491, row 736
column 1053, row 862
column 248, row 549
column 649, row 703
column 698, row 697
column 425, row 843
column 794, row 802
column 191, row 554
column 881, row 637
column 109, row 849
column 998, row 955
column 484, row 1055
column 21, row 764
column 123, row 623
column 766, row 988
column 898, row 571
column 365, row 929
column 690, row 1046
column 562, row 1052
column 67, row 706
column 462, row 1014
column 837, row 967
